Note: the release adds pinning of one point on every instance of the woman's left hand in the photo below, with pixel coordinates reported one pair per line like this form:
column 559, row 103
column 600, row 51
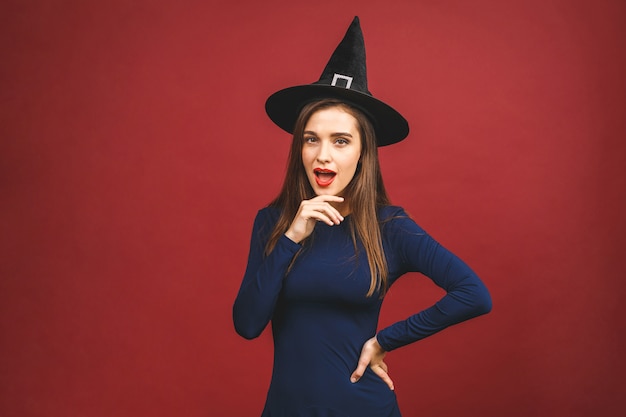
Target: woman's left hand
column 372, row 355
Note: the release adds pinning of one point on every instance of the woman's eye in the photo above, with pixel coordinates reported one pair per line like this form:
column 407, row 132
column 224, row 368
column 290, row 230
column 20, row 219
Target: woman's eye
column 310, row 139
column 342, row 141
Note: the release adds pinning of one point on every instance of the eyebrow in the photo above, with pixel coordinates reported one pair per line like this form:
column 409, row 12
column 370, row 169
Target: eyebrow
column 336, row 134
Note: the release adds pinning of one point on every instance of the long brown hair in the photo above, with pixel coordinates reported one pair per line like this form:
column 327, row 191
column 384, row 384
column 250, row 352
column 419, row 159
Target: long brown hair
column 364, row 194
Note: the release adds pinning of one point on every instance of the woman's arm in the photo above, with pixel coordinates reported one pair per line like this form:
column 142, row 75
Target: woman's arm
column 262, row 282
column 263, row 279
column 466, row 295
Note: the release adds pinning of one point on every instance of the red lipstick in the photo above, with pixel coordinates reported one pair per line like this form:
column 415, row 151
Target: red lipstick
column 324, row 177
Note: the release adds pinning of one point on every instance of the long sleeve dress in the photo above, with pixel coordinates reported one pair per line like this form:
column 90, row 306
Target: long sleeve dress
column 321, row 316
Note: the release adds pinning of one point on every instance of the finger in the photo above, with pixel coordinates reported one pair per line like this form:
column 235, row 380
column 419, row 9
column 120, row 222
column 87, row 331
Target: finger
column 325, row 202
column 325, row 197
column 319, row 214
column 325, row 209
column 321, row 217
column 332, row 211
column 318, row 203
column 378, row 370
column 360, row 369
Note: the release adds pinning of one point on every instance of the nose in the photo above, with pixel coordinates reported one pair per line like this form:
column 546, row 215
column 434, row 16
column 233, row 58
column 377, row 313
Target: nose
column 323, row 156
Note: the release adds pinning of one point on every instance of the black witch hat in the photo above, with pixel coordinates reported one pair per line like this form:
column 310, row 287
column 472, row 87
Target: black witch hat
column 345, row 79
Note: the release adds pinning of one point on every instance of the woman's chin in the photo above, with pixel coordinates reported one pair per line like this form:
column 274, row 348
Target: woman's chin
column 329, row 190
column 324, row 191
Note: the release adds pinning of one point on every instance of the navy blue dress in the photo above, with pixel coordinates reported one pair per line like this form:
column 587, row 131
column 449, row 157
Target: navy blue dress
column 321, row 316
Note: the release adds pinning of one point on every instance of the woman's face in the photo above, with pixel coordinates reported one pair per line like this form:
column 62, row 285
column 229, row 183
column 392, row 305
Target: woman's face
column 331, row 150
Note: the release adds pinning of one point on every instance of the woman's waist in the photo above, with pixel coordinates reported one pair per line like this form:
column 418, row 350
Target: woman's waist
column 331, row 387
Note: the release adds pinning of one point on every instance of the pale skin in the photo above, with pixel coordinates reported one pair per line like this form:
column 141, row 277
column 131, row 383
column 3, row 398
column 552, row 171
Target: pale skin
column 332, row 142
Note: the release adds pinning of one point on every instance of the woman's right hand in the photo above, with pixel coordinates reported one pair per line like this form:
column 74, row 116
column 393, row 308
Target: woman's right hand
column 312, row 211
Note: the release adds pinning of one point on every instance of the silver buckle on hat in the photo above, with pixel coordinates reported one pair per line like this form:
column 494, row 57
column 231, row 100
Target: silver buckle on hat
column 338, row 77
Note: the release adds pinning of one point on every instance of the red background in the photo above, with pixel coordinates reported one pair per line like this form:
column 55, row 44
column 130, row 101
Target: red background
column 135, row 152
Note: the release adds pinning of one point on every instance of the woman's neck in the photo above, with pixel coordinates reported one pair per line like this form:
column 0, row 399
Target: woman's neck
column 343, row 207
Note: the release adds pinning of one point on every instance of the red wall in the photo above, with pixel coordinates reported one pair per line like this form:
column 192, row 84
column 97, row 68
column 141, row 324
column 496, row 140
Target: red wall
column 134, row 153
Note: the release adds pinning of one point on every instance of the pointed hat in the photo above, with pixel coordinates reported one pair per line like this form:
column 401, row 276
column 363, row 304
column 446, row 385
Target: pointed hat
column 344, row 78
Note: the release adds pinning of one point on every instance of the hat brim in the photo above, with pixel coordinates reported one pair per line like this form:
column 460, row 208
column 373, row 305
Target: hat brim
column 284, row 107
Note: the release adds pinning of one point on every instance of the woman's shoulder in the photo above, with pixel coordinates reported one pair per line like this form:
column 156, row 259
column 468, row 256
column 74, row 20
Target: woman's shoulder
column 268, row 214
column 396, row 218
column 387, row 213
column 264, row 223
column 269, row 211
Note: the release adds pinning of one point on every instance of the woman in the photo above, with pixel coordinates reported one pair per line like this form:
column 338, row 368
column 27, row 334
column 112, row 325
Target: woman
column 326, row 250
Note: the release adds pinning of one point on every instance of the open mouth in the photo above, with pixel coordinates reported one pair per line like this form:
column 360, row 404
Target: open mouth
column 324, row 177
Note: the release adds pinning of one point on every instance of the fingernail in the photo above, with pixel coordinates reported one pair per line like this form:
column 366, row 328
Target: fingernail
column 353, row 380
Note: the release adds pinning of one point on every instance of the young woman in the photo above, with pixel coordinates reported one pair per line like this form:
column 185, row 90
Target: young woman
column 326, row 250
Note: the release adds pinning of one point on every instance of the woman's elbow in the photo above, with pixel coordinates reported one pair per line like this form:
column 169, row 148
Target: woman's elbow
column 246, row 324
column 482, row 302
column 247, row 331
